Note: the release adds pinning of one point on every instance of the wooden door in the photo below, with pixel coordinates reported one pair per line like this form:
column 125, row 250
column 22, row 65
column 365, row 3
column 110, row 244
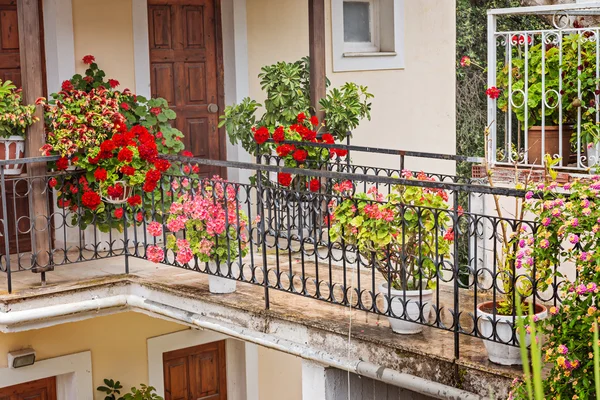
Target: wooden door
column 42, row 389
column 185, row 68
column 10, row 63
column 196, row 373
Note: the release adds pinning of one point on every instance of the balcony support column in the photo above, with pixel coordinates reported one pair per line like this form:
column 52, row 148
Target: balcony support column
column 316, row 37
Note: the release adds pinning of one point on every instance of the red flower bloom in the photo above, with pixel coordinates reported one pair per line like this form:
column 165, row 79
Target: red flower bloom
column 125, row 106
column 261, row 135
column 125, row 155
column 63, row 203
column 314, row 185
column 465, row 61
column 127, row 170
column 149, row 186
column 153, row 175
column 328, row 138
column 493, row 92
column 88, row 79
column 67, row 86
column 300, row 155
column 113, row 83
column 162, row 165
column 138, row 130
column 308, row 135
column 52, row 182
column 340, row 152
column 100, row 174
column 115, row 191
column 314, row 120
column 88, row 59
column 195, row 169
column 91, row 200
column 135, row 200
column 301, row 117
column 279, row 135
column 107, row 146
column 285, row 149
column 155, row 110
column 139, row 217
column 119, row 213
column 94, row 160
column 187, row 153
column 284, row 179
column 62, row 163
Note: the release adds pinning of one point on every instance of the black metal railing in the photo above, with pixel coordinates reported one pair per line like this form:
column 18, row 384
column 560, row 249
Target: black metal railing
column 289, row 247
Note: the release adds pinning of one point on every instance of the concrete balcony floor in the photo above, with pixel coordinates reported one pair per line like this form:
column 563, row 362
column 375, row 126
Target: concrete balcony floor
column 429, row 354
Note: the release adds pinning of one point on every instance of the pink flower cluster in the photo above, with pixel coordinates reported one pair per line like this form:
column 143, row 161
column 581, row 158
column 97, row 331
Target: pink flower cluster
column 155, row 254
column 582, row 289
column 375, row 211
column 155, row 228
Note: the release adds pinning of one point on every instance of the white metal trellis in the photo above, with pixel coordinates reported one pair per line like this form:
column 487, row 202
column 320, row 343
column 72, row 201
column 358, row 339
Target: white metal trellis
column 566, row 112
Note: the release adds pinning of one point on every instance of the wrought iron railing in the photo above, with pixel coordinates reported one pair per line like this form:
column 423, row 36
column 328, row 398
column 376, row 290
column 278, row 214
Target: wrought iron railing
column 289, row 248
column 548, row 83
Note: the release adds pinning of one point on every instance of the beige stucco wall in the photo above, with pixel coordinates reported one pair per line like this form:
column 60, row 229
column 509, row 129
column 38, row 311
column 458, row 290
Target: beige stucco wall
column 413, row 109
column 117, row 343
column 103, row 28
column 279, row 375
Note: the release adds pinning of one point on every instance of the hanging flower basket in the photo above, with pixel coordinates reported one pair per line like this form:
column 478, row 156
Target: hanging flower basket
column 12, row 148
column 118, row 193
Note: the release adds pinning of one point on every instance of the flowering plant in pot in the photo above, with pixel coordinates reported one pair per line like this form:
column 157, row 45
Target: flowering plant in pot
column 215, row 228
column 298, row 156
column 15, row 118
column 564, row 74
column 405, row 235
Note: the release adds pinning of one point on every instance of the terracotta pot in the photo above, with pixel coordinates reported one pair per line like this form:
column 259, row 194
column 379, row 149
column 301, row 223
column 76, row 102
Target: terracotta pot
column 12, row 148
column 501, row 353
column 413, row 308
column 551, row 143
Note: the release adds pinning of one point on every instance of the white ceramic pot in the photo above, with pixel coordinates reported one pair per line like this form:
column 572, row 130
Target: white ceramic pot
column 500, row 353
column 593, row 155
column 220, row 285
column 413, row 308
column 12, row 148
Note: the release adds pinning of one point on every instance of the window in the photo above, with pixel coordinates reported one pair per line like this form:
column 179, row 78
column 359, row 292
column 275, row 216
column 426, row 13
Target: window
column 359, row 21
column 367, row 34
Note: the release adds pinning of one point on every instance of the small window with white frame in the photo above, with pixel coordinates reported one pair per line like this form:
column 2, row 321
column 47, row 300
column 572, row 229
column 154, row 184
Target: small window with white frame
column 361, row 33
column 367, row 34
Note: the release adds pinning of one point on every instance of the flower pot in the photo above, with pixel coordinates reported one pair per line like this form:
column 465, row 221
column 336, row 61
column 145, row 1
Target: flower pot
column 220, row 285
column 12, row 148
column 501, row 353
column 127, row 192
column 551, row 143
column 413, row 308
column 593, row 155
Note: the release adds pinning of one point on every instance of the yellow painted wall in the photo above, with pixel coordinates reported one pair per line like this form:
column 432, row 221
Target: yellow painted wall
column 279, row 373
column 413, row 109
column 103, row 28
column 117, row 342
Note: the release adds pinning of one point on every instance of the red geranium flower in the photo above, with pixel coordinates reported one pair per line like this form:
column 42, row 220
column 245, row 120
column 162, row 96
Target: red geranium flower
column 155, row 110
column 88, row 59
column 153, row 175
column 115, row 191
column 328, row 138
column 88, row 79
column 149, row 186
column 301, row 117
column 314, row 120
column 300, row 155
column 119, row 213
column 127, row 170
column 340, row 152
column 91, row 200
column 284, row 178
column 113, row 83
column 285, row 149
column 125, row 106
column 314, row 185
column 107, row 146
column 187, row 153
column 139, row 217
column 52, row 182
column 279, row 135
column 493, row 92
column 62, row 163
column 135, row 200
column 93, row 160
column 308, row 135
column 67, row 86
column 125, row 155
column 261, row 135
column 162, row 165
column 100, row 174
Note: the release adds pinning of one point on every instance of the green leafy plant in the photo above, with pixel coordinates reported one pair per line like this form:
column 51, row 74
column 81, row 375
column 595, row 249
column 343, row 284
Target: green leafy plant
column 406, row 233
column 15, row 117
column 113, row 389
column 287, row 86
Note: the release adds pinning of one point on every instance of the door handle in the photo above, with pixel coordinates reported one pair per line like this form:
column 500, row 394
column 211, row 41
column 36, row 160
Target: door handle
column 213, row 108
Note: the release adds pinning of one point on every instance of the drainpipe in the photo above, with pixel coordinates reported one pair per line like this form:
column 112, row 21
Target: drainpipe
column 367, row 369
column 136, row 303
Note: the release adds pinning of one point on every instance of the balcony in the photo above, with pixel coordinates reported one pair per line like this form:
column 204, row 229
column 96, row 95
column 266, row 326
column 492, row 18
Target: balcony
column 287, row 266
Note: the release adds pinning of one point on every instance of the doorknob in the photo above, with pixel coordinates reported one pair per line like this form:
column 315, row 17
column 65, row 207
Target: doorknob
column 213, row 108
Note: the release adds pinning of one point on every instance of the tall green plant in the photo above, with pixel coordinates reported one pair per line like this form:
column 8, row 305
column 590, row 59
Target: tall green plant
column 287, row 86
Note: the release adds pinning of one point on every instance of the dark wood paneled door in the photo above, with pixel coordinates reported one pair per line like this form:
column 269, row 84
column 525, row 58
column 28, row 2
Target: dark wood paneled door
column 10, row 63
column 42, row 389
column 185, row 60
column 196, row 373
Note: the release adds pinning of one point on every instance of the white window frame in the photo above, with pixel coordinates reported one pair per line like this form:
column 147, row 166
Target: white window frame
column 374, row 26
column 388, row 25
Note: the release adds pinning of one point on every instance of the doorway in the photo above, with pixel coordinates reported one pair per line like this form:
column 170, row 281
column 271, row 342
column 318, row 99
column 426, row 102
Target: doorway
column 41, row 389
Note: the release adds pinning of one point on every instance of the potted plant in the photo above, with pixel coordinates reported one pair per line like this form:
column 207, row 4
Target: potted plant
column 15, row 118
column 590, row 137
column 215, row 229
column 112, row 391
column 569, row 83
column 405, row 235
